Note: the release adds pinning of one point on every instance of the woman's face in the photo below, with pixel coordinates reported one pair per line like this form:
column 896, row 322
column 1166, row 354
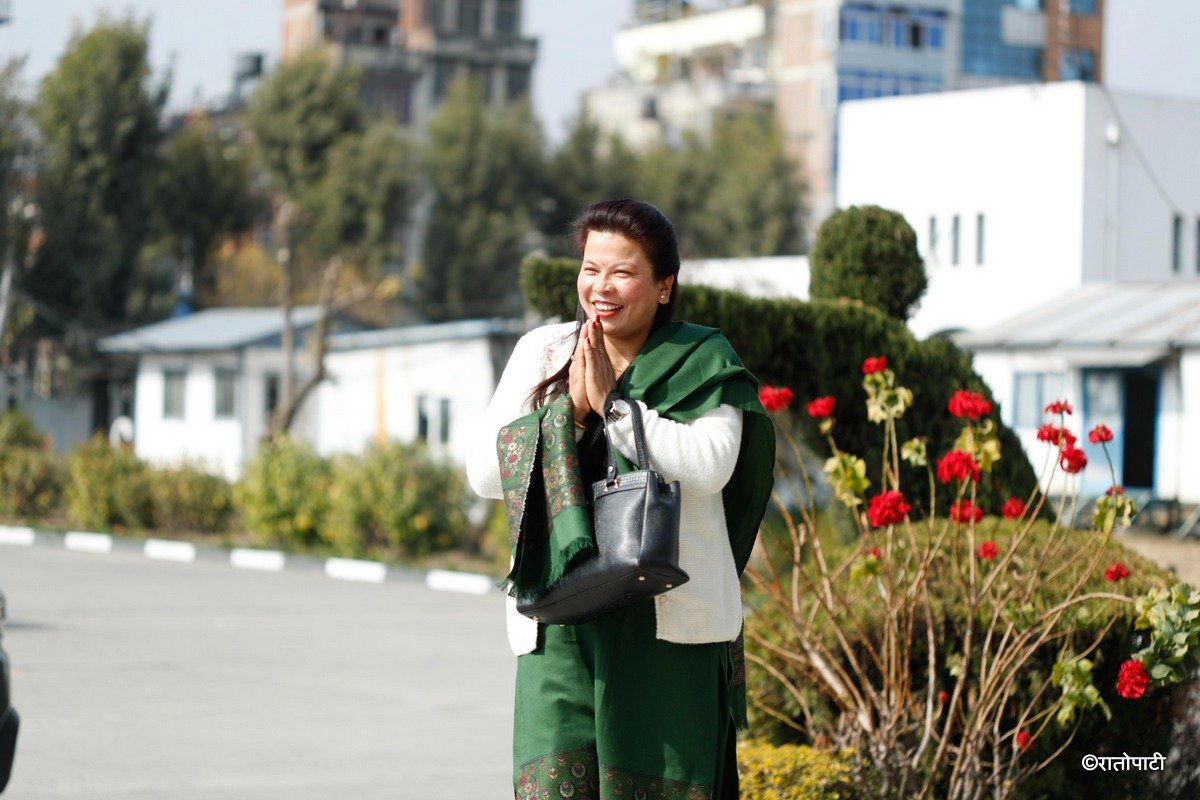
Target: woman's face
column 616, row 285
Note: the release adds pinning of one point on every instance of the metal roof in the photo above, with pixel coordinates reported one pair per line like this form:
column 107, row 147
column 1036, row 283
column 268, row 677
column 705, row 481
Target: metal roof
column 210, row 329
column 1138, row 318
column 422, row 334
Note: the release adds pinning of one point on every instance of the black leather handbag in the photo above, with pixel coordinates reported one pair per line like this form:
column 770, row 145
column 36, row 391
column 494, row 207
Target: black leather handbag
column 635, row 518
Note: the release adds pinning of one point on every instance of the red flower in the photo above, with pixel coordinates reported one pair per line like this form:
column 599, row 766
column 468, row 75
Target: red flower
column 1116, row 572
column 969, row 405
column 965, row 511
column 875, row 553
column 1072, row 459
column 1023, row 739
column 1132, row 680
column 887, row 508
column 775, row 398
column 957, row 465
column 1013, row 508
column 943, row 696
column 1100, row 433
column 873, row 365
column 1055, row 435
column 821, row 407
column 1115, row 490
column 1059, row 407
column 988, row 550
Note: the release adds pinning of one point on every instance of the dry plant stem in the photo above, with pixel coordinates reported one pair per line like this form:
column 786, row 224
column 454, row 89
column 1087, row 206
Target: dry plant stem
column 792, row 690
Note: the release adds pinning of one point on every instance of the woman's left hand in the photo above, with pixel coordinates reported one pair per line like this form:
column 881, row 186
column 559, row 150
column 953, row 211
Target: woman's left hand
column 599, row 377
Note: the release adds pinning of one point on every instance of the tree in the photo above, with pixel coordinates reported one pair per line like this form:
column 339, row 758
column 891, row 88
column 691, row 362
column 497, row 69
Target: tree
column 16, row 210
column 484, row 170
column 754, row 205
column 98, row 115
column 870, row 254
column 733, row 195
column 343, row 186
column 588, row 168
column 205, row 192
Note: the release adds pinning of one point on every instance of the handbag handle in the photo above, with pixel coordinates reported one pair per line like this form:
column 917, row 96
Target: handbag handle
column 639, row 439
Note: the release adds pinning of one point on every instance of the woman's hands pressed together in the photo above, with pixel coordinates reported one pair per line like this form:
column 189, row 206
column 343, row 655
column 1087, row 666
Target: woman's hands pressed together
column 591, row 377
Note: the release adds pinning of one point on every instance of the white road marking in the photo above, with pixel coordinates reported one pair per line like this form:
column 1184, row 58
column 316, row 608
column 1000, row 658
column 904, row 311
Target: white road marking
column 88, row 542
column 166, row 550
column 266, row 560
column 351, row 569
column 18, row 536
column 446, row 581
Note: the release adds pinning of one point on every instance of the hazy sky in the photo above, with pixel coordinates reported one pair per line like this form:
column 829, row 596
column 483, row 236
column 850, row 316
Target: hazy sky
column 200, row 38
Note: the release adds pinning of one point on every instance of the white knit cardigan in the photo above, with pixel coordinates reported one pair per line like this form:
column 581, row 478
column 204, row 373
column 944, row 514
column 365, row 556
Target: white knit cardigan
column 700, row 454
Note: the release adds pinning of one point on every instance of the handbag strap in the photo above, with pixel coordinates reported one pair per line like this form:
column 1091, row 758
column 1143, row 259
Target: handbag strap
column 639, row 439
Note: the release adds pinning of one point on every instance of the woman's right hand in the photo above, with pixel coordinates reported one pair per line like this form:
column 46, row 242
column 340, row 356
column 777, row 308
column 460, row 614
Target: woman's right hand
column 577, row 380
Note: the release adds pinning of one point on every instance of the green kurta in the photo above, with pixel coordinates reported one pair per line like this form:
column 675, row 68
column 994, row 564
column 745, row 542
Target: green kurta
column 605, row 709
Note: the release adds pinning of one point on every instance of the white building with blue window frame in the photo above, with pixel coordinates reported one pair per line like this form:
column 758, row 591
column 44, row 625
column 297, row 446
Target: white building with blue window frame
column 206, row 384
column 1126, row 355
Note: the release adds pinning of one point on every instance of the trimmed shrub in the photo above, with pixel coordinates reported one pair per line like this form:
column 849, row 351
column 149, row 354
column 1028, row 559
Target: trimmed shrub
column 109, row 486
column 817, row 349
column 284, row 494
column 18, row 431
column 31, row 483
column 187, row 498
column 395, row 501
column 31, row 477
column 792, row 772
column 870, row 254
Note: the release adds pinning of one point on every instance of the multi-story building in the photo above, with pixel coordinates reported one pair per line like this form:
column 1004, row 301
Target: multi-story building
column 681, row 63
column 411, row 50
column 677, row 68
column 832, row 51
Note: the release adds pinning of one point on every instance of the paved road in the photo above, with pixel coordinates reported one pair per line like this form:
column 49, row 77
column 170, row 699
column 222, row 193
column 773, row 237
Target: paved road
column 138, row 679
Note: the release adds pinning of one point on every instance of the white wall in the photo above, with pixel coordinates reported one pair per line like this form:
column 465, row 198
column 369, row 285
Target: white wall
column 1070, row 189
column 375, row 391
column 199, row 436
column 1150, row 46
column 1177, row 464
column 1133, row 187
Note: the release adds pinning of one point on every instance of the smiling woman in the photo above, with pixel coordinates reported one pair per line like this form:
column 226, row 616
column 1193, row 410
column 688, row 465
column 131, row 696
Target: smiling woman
column 646, row 697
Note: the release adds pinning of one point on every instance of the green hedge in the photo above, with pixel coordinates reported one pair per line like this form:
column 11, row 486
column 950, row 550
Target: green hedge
column 396, row 501
column 284, row 494
column 816, row 349
column 109, row 487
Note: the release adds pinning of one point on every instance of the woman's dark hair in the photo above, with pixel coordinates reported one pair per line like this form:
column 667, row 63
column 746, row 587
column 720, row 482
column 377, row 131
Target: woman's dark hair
column 640, row 222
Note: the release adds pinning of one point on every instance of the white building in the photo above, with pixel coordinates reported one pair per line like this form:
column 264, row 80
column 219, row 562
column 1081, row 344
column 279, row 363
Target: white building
column 1022, row 193
column 206, row 384
column 1127, row 355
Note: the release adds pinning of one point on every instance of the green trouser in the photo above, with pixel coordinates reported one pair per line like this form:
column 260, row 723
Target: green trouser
column 605, row 710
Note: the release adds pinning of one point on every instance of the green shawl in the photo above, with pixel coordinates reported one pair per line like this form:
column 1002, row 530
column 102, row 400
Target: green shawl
column 683, row 372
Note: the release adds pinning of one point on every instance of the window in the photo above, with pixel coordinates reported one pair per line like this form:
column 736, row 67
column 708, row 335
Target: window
column 1078, row 65
column 954, row 231
column 508, row 17
column 517, row 79
column 174, row 385
column 1083, row 6
column 444, row 420
column 1033, row 392
column 933, row 242
column 225, row 404
column 433, row 15
column 422, row 418
column 979, row 239
column 270, row 394
column 469, row 17
column 1176, row 243
column 443, row 74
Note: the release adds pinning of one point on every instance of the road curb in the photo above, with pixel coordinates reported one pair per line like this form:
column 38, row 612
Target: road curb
column 247, row 558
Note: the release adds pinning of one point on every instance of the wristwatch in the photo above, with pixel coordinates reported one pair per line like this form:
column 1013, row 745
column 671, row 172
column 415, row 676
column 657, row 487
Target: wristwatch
column 615, row 407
